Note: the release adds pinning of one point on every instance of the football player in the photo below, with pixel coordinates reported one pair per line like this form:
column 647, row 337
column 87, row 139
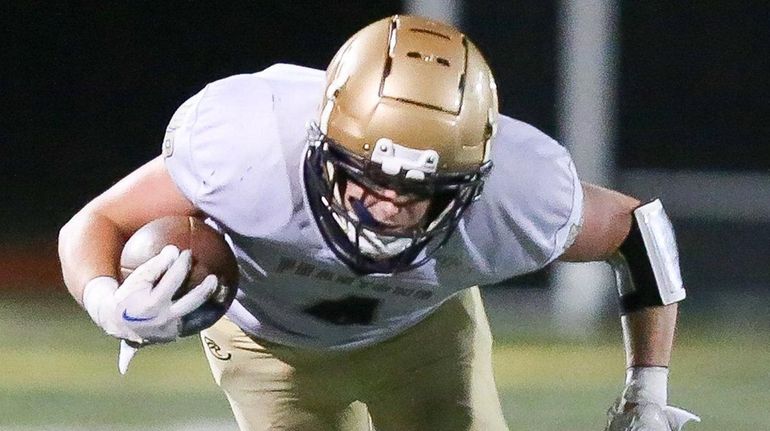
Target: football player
column 363, row 204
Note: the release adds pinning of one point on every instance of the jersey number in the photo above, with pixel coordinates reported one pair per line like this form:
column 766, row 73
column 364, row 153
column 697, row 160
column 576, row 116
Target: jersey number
column 350, row 310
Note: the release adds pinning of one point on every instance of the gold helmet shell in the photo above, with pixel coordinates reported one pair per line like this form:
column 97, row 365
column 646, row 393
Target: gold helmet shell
column 418, row 83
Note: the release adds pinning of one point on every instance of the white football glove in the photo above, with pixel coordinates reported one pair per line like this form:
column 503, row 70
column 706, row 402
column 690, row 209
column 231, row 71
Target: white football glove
column 642, row 406
column 141, row 310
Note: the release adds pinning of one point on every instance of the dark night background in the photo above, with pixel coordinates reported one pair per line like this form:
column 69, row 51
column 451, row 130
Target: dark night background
column 87, row 88
column 86, row 91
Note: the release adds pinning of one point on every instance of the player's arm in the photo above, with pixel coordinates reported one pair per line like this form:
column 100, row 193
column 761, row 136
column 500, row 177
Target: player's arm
column 90, row 243
column 89, row 250
column 607, row 220
column 611, row 232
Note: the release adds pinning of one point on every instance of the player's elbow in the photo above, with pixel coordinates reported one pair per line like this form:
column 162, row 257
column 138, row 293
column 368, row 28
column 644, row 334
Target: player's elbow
column 66, row 245
column 73, row 231
column 66, row 232
column 74, row 224
column 607, row 217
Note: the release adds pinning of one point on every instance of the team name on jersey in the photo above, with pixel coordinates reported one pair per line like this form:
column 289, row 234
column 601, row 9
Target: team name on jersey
column 287, row 265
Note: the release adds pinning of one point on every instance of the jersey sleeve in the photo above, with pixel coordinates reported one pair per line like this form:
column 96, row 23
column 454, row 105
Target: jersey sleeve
column 222, row 150
column 176, row 147
column 531, row 207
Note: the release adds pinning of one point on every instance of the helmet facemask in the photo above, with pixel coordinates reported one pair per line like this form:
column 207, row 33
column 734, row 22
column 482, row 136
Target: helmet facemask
column 354, row 234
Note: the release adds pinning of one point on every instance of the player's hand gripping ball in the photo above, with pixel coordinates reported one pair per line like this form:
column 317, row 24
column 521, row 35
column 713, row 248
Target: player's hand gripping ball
column 210, row 255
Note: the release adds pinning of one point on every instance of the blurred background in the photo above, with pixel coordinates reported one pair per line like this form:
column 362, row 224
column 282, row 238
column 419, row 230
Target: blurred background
column 654, row 98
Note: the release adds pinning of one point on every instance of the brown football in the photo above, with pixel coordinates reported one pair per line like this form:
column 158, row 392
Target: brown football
column 210, row 255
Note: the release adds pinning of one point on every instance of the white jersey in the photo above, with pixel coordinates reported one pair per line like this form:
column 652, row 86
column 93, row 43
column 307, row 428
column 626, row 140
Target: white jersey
column 236, row 151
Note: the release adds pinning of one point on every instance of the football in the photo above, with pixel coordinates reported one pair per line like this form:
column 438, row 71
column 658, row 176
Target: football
column 210, row 255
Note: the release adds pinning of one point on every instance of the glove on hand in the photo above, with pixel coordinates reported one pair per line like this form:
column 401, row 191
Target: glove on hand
column 647, row 417
column 642, row 406
column 141, row 309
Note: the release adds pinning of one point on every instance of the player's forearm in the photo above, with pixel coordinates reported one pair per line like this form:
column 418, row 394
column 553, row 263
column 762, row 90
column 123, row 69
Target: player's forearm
column 648, row 335
column 89, row 246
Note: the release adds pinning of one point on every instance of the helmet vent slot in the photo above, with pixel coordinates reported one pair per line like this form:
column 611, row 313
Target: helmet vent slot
column 430, row 32
column 414, row 54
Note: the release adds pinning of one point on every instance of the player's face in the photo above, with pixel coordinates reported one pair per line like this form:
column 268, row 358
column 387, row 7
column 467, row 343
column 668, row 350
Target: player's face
column 392, row 211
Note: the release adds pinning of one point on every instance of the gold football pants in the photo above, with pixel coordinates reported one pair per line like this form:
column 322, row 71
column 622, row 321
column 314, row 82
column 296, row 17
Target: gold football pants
column 436, row 375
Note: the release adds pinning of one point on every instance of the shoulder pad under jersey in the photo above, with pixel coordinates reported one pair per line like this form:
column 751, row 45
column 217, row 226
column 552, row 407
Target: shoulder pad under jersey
column 222, row 149
column 531, row 205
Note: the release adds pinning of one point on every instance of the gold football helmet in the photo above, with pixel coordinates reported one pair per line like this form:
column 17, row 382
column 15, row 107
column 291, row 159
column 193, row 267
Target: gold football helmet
column 410, row 105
